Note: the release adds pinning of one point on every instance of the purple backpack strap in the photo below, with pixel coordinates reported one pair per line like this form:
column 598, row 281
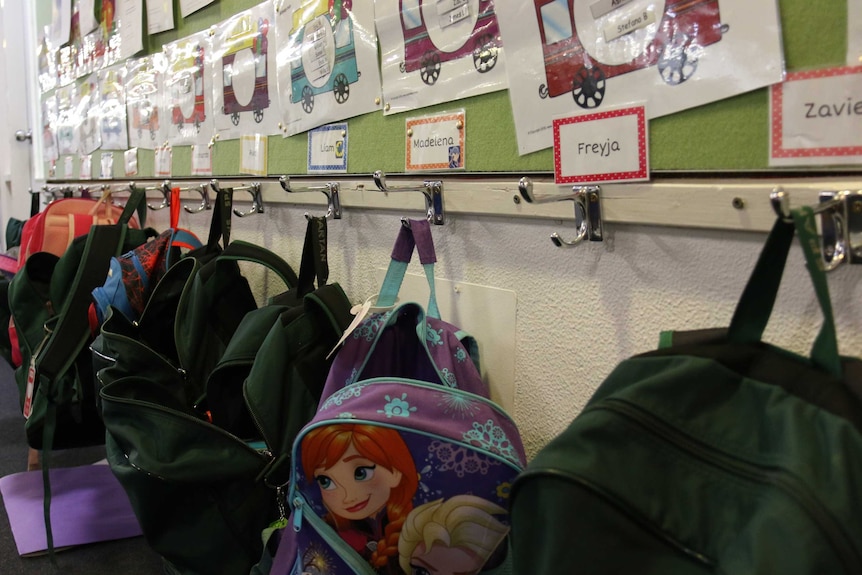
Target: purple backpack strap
column 413, row 234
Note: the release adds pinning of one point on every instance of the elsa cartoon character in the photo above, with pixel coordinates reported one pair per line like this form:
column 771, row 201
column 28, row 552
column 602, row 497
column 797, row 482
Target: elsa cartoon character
column 367, row 479
column 453, row 536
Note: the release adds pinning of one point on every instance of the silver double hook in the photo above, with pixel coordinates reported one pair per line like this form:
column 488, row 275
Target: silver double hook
column 331, row 190
column 431, row 189
column 588, row 215
column 256, row 198
column 839, row 223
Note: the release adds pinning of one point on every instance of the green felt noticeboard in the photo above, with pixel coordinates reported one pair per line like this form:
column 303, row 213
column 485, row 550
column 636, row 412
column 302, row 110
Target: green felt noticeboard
column 729, row 135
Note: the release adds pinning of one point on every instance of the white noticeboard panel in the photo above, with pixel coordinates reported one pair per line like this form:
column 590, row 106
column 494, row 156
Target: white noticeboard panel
column 486, row 313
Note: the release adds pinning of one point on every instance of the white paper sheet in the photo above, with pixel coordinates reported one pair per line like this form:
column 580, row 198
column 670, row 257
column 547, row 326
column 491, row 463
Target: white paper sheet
column 160, row 16
column 131, row 14
column 189, row 6
column 560, row 61
column 854, row 32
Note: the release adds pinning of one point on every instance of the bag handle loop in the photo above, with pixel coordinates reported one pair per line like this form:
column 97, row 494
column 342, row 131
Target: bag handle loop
column 413, row 234
column 758, row 299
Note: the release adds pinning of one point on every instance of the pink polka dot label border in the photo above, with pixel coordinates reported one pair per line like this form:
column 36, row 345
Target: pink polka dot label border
column 602, row 147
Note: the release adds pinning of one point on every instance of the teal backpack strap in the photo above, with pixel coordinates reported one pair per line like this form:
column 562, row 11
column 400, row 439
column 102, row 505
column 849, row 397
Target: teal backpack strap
column 63, row 345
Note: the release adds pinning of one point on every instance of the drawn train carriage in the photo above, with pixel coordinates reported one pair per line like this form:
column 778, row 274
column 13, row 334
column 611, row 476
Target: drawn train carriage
column 246, row 36
column 682, row 29
column 145, row 116
column 327, row 57
column 188, row 88
column 438, row 31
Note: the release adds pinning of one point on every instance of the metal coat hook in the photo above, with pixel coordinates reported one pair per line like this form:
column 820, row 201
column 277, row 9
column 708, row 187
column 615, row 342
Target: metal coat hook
column 840, row 223
column 256, row 198
column 588, row 212
column 330, row 190
column 205, row 199
column 431, row 189
column 165, row 189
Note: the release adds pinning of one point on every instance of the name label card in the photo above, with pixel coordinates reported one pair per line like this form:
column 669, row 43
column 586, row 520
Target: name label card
column 107, row 165
column 164, row 160
column 327, row 149
column 86, row 167
column 202, row 160
column 816, row 118
column 253, row 154
column 608, row 146
column 436, row 142
column 130, row 162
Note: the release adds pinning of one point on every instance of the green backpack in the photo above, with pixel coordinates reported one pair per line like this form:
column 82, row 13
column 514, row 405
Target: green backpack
column 203, row 397
column 718, row 454
column 49, row 299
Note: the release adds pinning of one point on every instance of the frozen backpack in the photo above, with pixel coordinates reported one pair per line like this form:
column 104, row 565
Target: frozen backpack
column 407, row 465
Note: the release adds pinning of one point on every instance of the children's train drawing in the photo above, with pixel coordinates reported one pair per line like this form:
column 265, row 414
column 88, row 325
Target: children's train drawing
column 326, row 62
column 439, row 31
column 669, row 34
column 247, row 41
column 187, row 90
column 145, row 116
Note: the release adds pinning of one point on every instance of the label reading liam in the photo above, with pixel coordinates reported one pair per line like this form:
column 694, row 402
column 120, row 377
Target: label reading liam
column 436, row 142
column 327, row 149
column 608, row 146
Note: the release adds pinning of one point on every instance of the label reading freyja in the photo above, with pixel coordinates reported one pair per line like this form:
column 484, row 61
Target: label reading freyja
column 599, row 148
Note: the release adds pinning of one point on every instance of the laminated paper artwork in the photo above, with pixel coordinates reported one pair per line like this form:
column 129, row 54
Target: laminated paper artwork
column 571, row 56
column 188, row 90
column 147, row 113
column 327, row 62
column 435, row 51
column 244, row 74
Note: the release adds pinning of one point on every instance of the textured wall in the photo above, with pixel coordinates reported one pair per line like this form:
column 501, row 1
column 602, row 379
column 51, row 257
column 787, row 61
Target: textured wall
column 581, row 310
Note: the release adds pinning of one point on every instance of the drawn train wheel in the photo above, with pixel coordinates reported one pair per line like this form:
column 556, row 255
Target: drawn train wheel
column 676, row 66
column 307, row 99
column 341, row 88
column 588, row 87
column 258, row 116
column 429, row 69
column 485, row 53
column 234, row 118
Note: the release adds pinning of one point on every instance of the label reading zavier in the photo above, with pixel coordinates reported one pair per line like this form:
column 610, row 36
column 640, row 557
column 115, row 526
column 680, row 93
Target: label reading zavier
column 602, row 7
column 634, row 21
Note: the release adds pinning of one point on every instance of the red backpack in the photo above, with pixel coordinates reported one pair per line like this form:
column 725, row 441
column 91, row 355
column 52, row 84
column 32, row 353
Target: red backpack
column 54, row 228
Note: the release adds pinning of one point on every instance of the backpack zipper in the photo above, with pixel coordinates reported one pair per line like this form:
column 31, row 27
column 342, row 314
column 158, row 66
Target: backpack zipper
column 344, row 551
column 778, row 477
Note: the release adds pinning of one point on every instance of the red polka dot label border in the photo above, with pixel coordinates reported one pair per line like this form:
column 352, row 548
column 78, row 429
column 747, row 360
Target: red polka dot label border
column 605, row 123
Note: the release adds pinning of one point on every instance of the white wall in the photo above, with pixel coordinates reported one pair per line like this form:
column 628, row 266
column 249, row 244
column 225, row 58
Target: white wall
column 582, row 310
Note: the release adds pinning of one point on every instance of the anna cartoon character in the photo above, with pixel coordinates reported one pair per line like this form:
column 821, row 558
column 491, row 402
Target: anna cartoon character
column 367, row 479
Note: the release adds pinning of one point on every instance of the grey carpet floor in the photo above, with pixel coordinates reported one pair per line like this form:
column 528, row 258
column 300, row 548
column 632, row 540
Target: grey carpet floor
column 124, row 557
